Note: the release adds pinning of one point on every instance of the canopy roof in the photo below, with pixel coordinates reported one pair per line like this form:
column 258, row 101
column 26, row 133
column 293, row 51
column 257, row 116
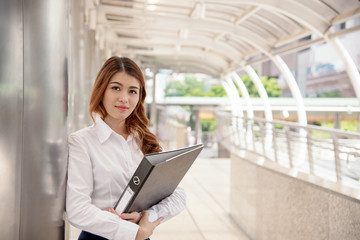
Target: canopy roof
column 214, row 36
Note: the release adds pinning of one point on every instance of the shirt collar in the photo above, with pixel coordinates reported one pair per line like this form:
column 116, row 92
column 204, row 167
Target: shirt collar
column 104, row 131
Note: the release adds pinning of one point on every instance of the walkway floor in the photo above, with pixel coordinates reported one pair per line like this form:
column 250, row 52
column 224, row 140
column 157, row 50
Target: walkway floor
column 207, row 213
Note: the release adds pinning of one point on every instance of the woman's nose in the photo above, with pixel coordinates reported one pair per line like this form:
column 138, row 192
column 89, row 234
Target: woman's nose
column 122, row 97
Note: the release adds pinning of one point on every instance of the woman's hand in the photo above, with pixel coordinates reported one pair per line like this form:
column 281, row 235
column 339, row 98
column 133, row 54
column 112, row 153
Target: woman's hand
column 133, row 217
column 146, row 228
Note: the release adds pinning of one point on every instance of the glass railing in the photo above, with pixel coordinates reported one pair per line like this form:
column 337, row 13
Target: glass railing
column 323, row 152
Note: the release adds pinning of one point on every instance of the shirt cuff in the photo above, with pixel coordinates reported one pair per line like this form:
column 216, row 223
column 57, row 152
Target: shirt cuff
column 153, row 216
column 129, row 232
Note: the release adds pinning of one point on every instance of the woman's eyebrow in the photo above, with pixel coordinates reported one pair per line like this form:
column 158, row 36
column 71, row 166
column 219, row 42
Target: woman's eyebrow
column 117, row 83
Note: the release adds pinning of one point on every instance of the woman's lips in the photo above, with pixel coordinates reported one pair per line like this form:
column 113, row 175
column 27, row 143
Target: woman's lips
column 122, row 108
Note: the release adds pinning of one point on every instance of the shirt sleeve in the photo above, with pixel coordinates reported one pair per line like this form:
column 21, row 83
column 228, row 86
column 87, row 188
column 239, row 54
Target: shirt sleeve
column 81, row 213
column 168, row 207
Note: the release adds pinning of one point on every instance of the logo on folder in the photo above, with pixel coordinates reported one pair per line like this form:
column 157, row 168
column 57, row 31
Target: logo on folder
column 136, row 180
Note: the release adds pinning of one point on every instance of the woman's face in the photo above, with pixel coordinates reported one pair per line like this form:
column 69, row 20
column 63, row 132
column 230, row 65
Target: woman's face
column 121, row 97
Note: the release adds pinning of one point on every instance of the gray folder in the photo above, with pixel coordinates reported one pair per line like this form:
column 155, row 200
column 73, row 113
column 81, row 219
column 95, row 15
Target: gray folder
column 156, row 178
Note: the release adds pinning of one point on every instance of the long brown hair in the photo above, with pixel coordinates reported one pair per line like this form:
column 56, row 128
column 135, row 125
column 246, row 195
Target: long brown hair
column 137, row 123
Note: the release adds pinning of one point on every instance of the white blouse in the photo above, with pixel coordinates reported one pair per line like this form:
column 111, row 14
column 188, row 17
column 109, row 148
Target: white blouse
column 101, row 162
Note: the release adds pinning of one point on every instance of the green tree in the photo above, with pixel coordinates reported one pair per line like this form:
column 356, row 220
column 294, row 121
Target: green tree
column 216, row 91
column 196, row 92
column 330, row 94
column 270, row 85
column 208, row 125
column 192, row 87
column 249, row 86
column 174, row 89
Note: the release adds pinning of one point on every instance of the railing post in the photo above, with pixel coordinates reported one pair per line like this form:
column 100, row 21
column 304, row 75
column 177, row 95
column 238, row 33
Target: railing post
column 254, row 136
column 262, row 135
column 254, row 129
column 245, row 134
column 288, row 143
column 238, row 126
column 309, row 150
column 338, row 167
column 274, row 143
column 250, row 135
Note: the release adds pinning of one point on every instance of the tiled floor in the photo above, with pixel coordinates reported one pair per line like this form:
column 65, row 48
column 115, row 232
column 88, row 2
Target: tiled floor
column 207, row 212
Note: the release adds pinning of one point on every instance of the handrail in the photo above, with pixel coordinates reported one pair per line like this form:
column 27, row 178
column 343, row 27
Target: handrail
column 331, row 154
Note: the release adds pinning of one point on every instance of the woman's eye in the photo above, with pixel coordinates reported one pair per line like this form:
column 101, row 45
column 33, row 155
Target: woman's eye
column 133, row 92
column 115, row 88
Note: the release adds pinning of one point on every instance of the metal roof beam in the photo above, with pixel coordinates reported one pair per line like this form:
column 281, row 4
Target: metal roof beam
column 165, row 21
column 245, row 15
column 293, row 9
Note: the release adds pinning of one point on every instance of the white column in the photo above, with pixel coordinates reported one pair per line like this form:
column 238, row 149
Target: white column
column 294, row 88
column 267, row 141
column 244, row 93
column 235, row 112
column 239, row 121
column 350, row 66
column 153, row 113
column 249, row 109
column 295, row 91
column 261, row 90
column 236, row 96
column 198, row 130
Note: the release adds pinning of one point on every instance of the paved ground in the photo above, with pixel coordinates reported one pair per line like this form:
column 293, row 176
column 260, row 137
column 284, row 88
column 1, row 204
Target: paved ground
column 207, row 213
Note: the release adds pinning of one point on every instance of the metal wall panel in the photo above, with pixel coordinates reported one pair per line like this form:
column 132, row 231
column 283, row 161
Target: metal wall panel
column 85, row 60
column 11, row 108
column 75, row 25
column 45, row 113
column 33, row 105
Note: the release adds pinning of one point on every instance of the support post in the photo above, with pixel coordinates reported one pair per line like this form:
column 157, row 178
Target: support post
column 337, row 121
column 349, row 64
column 263, row 94
column 294, row 88
column 153, row 113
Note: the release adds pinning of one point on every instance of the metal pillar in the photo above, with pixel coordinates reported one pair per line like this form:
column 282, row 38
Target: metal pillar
column 337, row 120
column 236, row 97
column 349, row 64
column 245, row 94
column 248, row 135
column 198, row 130
column 234, row 109
column 11, row 117
column 267, row 108
column 153, row 112
column 261, row 90
column 228, row 90
column 238, row 122
column 294, row 88
column 33, row 103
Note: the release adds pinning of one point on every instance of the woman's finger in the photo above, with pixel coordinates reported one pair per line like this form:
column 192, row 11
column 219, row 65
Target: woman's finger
column 157, row 222
column 113, row 211
column 132, row 217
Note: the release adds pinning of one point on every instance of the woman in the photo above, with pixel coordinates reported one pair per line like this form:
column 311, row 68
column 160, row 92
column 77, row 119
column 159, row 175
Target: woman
column 104, row 156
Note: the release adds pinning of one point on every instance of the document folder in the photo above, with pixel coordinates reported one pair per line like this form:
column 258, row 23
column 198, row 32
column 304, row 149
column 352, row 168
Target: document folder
column 156, row 178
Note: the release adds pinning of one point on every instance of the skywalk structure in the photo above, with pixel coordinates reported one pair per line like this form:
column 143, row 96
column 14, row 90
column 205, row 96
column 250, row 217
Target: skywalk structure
column 289, row 183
